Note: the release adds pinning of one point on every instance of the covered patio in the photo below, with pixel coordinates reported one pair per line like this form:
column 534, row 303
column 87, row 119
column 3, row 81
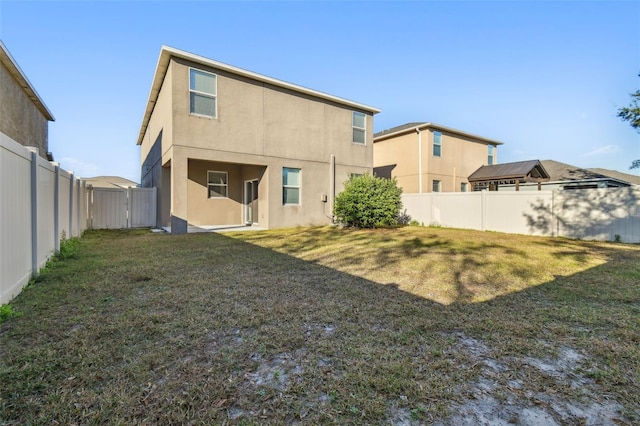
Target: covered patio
column 491, row 177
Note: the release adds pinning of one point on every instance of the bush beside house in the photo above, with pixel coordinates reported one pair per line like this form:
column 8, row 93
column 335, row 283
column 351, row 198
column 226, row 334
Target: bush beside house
column 368, row 202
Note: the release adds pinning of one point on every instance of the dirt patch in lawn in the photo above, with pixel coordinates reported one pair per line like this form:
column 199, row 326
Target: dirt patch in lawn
column 501, row 394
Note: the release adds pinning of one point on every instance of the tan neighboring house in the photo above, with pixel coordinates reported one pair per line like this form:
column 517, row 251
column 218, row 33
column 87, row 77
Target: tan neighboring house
column 227, row 146
column 109, row 182
column 23, row 115
column 427, row 157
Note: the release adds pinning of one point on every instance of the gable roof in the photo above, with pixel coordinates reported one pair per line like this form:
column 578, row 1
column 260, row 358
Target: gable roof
column 561, row 171
column 12, row 66
column 412, row 127
column 632, row 179
column 524, row 171
column 166, row 53
column 109, row 182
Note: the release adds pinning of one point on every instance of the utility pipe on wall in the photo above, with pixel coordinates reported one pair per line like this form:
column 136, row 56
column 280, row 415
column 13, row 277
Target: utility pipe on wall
column 419, row 160
column 332, row 183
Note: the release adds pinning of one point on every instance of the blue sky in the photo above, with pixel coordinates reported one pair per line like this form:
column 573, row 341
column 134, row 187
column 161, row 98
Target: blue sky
column 545, row 78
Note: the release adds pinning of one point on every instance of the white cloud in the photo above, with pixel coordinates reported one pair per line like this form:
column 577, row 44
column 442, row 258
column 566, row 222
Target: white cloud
column 80, row 167
column 603, row 150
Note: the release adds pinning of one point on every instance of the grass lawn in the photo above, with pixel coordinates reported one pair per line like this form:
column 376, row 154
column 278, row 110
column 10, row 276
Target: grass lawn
column 401, row 326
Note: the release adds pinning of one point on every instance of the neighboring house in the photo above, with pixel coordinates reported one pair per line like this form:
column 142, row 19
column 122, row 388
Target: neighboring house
column 23, row 115
column 427, row 157
column 568, row 177
column 109, row 182
column 516, row 175
column 226, row 146
column 624, row 177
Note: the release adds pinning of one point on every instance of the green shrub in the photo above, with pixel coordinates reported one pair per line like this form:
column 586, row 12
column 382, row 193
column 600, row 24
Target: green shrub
column 368, row 202
column 6, row 312
column 68, row 248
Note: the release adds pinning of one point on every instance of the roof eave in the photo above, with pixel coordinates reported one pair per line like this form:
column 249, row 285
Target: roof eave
column 437, row 127
column 166, row 53
column 17, row 73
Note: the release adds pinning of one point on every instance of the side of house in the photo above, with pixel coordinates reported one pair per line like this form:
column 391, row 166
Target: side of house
column 23, row 115
column 226, row 146
column 427, row 157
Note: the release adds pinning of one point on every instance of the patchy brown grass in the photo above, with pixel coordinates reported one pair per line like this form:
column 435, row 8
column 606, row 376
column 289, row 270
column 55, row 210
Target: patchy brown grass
column 321, row 325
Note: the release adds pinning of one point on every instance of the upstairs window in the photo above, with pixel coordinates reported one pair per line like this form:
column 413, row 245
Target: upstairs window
column 290, row 186
column 217, row 183
column 464, row 187
column 491, row 155
column 359, row 126
column 436, row 186
column 202, row 93
column 437, row 144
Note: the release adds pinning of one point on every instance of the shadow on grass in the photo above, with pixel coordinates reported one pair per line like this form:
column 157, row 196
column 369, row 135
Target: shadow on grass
column 208, row 328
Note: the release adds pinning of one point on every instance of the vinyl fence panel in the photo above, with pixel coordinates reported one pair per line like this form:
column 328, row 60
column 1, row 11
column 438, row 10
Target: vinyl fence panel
column 109, row 208
column 15, row 218
column 35, row 213
column 46, row 173
column 64, row 207
column 519, row 212
column 142, row 207
column 605, row 214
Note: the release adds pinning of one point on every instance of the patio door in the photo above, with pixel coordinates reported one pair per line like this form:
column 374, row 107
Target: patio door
column 251, row 202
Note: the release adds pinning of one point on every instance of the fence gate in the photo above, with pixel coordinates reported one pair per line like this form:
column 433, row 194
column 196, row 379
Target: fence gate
column 118, row 208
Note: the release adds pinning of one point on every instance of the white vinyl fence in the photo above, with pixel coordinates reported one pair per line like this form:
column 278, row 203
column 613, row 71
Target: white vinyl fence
column 606, row 214
column 117, row 208
column 41, row 204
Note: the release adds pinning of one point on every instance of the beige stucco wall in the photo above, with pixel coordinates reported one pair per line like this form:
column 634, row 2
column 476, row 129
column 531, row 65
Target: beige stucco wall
column 203, row 210
column 20, row 119
column 160, row 121
column 403, row 152
column 460, row 156
column 256, row 125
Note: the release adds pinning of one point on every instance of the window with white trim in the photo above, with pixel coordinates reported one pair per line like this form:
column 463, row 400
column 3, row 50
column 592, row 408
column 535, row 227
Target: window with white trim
column 464, row 187
column 203, row 93
column 436, row 186
column 290, row 185
column 359, row 124
column 217, row 184
column 437, row 144
column 491, row 155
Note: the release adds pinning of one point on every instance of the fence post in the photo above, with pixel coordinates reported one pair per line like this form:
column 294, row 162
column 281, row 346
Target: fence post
column 71, row 177
column 483, row 210
column 78, row 207
column 56, row 210
column 90, row 207
column 34, row 213
column 129, row 208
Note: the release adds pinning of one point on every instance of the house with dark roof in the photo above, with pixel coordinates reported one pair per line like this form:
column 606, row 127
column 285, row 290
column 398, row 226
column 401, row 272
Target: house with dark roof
column 547, row 175
column 513, row 175
column 427, row 157
column 625, row 177
column 228, row 146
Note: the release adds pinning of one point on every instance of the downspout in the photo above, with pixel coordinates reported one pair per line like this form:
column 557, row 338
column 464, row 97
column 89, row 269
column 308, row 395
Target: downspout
column 419, row 160
column 332, row 184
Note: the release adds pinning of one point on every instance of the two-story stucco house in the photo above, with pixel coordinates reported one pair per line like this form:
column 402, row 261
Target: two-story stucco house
column 427, row 157
column 23, row 115
column 226, row 146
